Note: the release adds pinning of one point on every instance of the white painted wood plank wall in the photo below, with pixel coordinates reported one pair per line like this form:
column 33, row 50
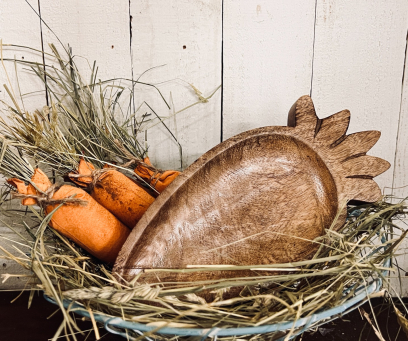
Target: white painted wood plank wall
column 12, row 13
column 346, row 54
column 268, row 53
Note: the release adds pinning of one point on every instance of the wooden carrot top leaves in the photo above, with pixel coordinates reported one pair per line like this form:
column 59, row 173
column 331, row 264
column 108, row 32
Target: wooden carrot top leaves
column 344, row 155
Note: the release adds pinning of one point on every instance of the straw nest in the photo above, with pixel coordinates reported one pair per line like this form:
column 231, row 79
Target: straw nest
column 81, row 119
column 346, row 260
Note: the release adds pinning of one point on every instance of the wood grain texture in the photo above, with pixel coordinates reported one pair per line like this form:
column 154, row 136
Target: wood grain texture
column 268, row 52
column 358, row 61
column 184, row 38
column 94, row 32
column 26, row 33
column 400, row 182
column 20, row 26
column 260, row 197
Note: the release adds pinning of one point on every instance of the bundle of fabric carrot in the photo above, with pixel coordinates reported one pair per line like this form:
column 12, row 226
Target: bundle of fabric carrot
column 100, row 213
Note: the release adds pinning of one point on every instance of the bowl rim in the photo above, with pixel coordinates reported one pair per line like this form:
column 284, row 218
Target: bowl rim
column 112, row 323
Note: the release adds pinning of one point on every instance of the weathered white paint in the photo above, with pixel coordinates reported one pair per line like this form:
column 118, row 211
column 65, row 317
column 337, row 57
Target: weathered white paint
column 364, row 68
column 400, row 182
column 182, row 42
column 93, row 31
column 358, row 64
column 268, row 49
column 400, row 179
column 11, row 28
column 347, row 54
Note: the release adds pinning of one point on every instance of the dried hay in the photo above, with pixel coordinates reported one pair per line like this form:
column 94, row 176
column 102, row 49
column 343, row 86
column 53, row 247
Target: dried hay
column 82, row 121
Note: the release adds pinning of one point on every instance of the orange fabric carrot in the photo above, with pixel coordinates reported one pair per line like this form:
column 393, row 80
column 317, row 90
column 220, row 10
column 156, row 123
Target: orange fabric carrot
column 157, row 179
column 80, row 218
column 126, row 200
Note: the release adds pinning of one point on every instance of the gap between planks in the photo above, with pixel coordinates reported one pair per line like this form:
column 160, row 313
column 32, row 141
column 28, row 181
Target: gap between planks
column 399, row 116
column 313, row 47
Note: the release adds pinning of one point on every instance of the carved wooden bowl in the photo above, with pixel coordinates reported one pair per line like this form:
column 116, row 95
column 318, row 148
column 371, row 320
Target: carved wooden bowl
column 260, row 197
